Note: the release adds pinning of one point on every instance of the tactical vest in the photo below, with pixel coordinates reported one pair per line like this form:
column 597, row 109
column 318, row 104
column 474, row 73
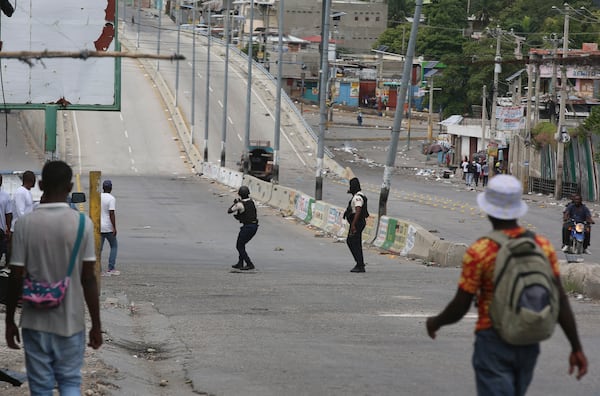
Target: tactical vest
column 249, row 214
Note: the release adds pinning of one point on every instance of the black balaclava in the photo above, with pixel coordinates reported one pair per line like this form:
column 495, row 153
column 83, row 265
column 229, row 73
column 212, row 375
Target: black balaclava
column 354, row 186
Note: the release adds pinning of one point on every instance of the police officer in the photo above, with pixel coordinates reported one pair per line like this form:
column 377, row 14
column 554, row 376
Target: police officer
column 356, row 215
column 244, row 210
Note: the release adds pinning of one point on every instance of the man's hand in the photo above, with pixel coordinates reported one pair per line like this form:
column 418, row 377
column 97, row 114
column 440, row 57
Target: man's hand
column 12, row 333
column 578, row 359
column 432, row 328
column 95, row 337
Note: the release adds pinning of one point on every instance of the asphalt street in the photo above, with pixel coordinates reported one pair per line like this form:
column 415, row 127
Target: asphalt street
column 178, row 322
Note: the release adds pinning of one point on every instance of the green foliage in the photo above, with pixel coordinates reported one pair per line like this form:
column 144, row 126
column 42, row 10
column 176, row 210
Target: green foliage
column 543, row 134
column 470, row 61
column 255, row 50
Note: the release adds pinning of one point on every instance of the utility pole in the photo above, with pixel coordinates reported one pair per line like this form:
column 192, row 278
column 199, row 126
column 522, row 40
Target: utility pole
column 484, row 118
column 207, row 88
column 225, row 83
column 554, row 40
column 324, row 77
column 193, row 117
column 430, row 114
column 406, row 75
column 530, row 77
column 246, row 159
column 560, row 150
column 497, row 71
column 277, row 133
column 536, row 114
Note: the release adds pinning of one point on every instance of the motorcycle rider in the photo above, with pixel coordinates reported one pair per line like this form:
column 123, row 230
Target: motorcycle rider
column 579, row 213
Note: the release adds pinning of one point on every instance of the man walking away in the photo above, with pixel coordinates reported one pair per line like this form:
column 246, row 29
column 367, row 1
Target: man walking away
column 54, row 338
column 5, row 223
column 244, row 210
column 108, row 226
column 503, row 368
column 477, row 172
column 485, row 172
column 356, row 214
column 23, row 200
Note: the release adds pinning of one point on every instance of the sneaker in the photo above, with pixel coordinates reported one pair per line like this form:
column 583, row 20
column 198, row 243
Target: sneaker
column 107, row 273
column 564, row 248
column 237, row 266
column 248, row 267
column 587, row 251
column 358, row 268
column 114, row 272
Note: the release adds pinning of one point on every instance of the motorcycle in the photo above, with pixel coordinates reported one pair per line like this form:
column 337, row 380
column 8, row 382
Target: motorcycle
column 576, row 236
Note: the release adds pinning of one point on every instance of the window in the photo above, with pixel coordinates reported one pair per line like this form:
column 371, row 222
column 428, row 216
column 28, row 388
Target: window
column 367, row 19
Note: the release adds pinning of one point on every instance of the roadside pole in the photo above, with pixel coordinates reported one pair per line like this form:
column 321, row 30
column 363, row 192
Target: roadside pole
column 323, row 98
column 94, row 196
column 277, row 132
column 561, row 128
column 406, row 74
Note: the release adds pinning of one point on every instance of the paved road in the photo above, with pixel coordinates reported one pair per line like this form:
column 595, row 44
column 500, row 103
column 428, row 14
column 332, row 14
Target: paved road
column 301, row 325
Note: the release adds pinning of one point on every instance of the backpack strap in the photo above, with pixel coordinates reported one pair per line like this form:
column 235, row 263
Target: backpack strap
column 501, row 238
column 77, row 244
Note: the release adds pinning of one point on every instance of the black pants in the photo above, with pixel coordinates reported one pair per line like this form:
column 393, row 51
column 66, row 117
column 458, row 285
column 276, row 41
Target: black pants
column 354, row 242
column 567, row 234
column 247, row 232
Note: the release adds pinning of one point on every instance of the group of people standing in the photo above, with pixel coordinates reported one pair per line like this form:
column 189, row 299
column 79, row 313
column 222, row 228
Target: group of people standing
column 474, row 171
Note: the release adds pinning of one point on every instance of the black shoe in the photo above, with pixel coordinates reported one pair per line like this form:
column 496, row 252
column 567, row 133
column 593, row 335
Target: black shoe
column 6, row 8
column 358, row 268
column 237, row 266
column 248, row 267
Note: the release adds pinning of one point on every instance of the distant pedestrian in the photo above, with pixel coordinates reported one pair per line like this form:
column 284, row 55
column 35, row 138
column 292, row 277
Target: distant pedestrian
column 485, row 173
column 503, row 367
column 5, row 223
column 22, row 198
column 356, row 214
column 108, row 226
column 244, row 210
column 476, row 173
column 43, row 244
column 463, row 166
column 471, row 169
column 359, row 118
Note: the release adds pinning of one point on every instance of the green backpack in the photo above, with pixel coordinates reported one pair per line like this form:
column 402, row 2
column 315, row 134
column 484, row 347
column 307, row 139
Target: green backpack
column 525, row 304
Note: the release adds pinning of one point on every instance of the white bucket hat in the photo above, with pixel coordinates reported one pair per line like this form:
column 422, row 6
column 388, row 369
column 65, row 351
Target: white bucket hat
column 502, row 198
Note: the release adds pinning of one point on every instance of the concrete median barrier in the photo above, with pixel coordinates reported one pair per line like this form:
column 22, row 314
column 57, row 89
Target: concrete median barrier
column 260, row 190
column 210, row 170
column 582, row 278
column 336, row 224
column 320, row 211
column 446, row 253
column 303, row 207
column 230, row 178
column 283, row 199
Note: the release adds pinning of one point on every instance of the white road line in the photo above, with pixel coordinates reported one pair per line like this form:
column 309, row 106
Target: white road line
column 220, row 103
column 210, row 89
column 78, row 140
column 121, row 116
column 126, row 134
column 129, row 149
column 230, row 120
column 239, row 137
column 412, row 315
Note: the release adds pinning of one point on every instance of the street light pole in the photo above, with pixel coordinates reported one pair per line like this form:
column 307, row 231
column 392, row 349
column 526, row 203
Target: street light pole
column 207, row 93
column 277, row 134
column 323, row 98
column 193, row 118
column 178, row 45
column 406, row 74
column 246, row 159
column 560, row 150
column 497, row 71
column 225, row 84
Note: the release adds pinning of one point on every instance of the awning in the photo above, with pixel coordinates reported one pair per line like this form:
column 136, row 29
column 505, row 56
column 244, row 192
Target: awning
column 452, row 120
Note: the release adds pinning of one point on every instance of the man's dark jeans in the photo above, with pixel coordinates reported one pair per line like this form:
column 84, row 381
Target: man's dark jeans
column 247, row 232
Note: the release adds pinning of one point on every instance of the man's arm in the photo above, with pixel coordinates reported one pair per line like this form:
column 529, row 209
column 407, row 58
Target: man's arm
column 20, row 204
column 355, row 219
column 456, row 309
column 566, row 320
column 90, row 293
column 113, row 221
column 15, row 282
column 8, row 218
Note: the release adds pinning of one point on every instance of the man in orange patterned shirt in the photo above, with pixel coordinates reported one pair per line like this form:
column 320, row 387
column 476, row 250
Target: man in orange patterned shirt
column 502, row 368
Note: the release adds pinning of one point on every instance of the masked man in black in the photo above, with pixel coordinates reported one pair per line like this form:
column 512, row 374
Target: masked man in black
column 244, row 211
column 356, row 215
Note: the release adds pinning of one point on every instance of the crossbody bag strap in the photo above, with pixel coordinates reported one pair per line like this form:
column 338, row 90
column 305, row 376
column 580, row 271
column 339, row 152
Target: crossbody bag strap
column 77, row 244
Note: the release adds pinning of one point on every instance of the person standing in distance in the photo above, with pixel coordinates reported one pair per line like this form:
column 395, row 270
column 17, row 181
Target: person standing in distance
column 5, row 222
column 244, row 210
column 502, row 368
column 54, row 339
column 108, row 226
column 356, row 214
column 23, row 200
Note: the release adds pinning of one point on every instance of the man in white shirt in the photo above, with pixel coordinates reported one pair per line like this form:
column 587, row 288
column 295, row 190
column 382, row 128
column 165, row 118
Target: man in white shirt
column 43, row 241
column 22, row 198
column 108, row 226
column 5, row 222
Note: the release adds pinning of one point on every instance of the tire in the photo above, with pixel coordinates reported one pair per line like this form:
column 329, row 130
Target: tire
column 577, row 247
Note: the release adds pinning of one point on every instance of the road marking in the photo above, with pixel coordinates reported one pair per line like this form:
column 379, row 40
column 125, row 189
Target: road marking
column 239, row 137
column 121, row 116
column 210, row 89
column 76, row 127
column 414, row 315
column 230, row 120
column 126, row 134
column 220, row 103
column 129, row 147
